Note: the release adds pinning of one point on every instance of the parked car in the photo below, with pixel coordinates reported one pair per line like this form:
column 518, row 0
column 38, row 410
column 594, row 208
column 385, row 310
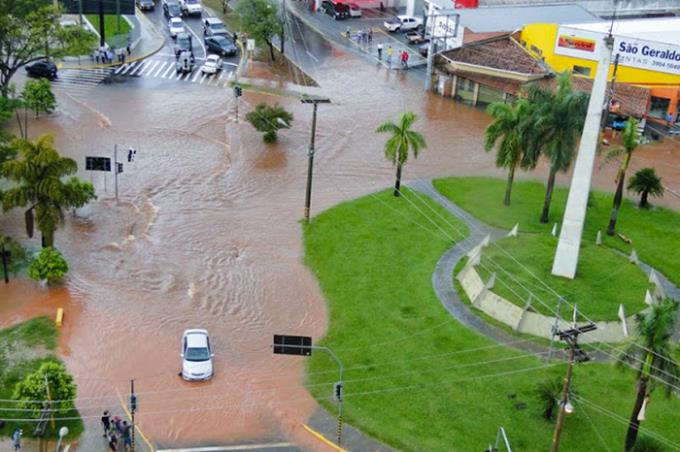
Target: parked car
column 146, row 5
column 424, row 49
column 183, row 44
column 197, row 355
column 354, row 10
column 416, row 37
column 212, row 65
column 191, row 7
column 172, row 9
column 336, row 10
column 220, row 45
column 43, row 68
column 212, row 26
column 185, row 63
column 176, row 26
column 403, row 23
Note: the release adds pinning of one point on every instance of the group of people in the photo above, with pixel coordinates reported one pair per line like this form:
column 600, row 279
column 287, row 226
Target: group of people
column 105, row 55
column 403, row 55
column 116, row 430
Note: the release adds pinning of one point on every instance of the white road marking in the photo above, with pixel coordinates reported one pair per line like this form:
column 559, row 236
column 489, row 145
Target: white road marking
column 151, row 68
column 227, row 448
column 130, row 67
column 170, row 68
column 202, row 78
column 141, row 65
column 161, row 68
column 121, row 68
column 198, row 74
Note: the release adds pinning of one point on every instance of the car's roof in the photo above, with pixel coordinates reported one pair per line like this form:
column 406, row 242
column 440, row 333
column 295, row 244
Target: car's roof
column 213, row 57
column 404, row 16
column 213, row 20
column 197, row 339
column 175, row 19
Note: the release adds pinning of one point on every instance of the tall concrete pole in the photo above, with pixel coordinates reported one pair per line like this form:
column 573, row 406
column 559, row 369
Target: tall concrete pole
column 568, row 247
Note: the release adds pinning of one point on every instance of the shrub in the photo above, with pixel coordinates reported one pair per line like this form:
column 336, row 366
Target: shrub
column 269, row 120
column 33, row 389
column 48, row 266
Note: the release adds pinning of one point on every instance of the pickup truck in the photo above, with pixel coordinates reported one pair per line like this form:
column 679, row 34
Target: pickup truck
column 403, row 23
column 416, row 37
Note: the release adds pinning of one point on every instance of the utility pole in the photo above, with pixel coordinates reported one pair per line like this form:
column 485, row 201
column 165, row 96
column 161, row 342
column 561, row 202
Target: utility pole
column 283, row 25
column 555, row 327
column 133, row 408
column 115, row 168
column 4, row 259
column 102, row 32
column 575, row 355
column 310, row 153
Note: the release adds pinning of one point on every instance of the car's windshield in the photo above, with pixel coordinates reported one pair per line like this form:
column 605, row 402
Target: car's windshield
column 197, row 354
column 183, row 41
column 222, row 41
column 192, row 2
column 217, row 26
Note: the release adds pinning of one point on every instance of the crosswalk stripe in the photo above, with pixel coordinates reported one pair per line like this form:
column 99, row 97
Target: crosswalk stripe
column 202, row 79
column 121, row 68
column 140, row 67
column 150, row 68
column 160, row 69
column 130, row 67
column 196, row 76
column 167, row 71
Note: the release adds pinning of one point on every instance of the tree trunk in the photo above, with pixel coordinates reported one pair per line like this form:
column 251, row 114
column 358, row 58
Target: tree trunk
column 271, row 50
column 548, row 195
column 508, row 188
column 47, row 238
column 643, row 200
column 397, row 183
column 25, row 123
column 631, row 435
column 21, row 127
column 611, row 229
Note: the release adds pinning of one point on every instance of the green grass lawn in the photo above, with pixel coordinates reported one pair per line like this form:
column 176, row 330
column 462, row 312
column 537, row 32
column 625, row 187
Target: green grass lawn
column 114, row 36
column 417, row 379
column 23, row 348
column 655, row 233
column 604, row 280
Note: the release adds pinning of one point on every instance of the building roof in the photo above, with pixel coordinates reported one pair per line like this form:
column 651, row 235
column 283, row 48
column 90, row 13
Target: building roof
column 511, row 18
column 663, row 29
column 502, row 54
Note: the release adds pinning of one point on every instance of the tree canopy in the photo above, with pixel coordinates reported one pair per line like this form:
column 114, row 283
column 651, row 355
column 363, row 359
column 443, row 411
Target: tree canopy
column 260, row 19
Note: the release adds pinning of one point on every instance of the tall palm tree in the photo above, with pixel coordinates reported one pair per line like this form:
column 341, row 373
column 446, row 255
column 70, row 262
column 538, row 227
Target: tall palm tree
column 401, row 141
column 38, row 175
column 652, row 352
column 645, row 182
column 631, row 139
column 512, row 125
column 559, row 122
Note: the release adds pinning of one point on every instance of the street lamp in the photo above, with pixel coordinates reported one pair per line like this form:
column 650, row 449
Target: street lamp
column 62, row 432
column 310, row 153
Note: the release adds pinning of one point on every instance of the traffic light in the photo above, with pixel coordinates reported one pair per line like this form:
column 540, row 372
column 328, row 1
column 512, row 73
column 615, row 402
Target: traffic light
column 338, row 391
column 237, row 91
column 133, row 403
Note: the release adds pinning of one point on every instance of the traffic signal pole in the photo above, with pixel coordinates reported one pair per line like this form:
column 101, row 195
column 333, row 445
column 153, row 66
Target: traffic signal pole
column 133, row 408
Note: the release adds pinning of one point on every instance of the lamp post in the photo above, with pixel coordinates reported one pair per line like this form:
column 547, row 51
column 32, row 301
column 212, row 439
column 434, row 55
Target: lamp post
column 310, row 153
column 62, row 432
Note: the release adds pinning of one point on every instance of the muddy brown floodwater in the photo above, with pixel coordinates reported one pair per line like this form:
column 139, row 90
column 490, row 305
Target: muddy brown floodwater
column 207, row 234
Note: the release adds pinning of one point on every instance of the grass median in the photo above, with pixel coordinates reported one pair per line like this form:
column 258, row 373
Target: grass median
column 23, row 349
column 417, row 379
column 654, row 232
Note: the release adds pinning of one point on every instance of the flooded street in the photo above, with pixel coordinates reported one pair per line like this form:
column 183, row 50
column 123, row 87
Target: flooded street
column 207, row 234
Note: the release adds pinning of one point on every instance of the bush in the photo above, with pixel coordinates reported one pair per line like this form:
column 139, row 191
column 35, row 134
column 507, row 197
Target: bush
column 269, row 120
column 48, row 266
column 32, row 389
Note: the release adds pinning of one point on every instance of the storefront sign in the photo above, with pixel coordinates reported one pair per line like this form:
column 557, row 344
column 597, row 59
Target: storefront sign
column 637, row 53
column 443, row 26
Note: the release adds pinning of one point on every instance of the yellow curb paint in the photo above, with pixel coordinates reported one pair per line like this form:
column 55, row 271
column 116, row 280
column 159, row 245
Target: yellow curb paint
column 129, row 415
column 323, row 438
column 131, row 60
column 60, row 317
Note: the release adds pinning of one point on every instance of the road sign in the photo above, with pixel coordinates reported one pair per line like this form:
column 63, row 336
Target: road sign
column 120, row 167
column 292, row 345
column 98, row 163
column 92, row 6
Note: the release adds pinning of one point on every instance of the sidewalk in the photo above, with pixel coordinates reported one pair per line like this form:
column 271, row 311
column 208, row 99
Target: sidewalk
column 150, row 41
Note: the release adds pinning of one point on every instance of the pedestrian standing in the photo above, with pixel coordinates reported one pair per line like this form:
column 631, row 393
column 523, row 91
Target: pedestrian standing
column 109, row 56
column 380, row 47
column 129, row 45
column 390, row 51
column 113, row 441
column 127, row 435
column 106, row 422
column 16, row 439
column 370, row 35
column 405, row 58
column 118, row 425
column 129, row 155
column 96, row 56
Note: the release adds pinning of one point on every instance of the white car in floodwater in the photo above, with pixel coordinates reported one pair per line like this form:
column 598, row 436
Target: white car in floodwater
column 176, row 26
column 197, row 355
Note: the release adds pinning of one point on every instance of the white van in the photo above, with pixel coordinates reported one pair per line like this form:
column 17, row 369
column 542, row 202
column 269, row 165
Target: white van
column 192, row 7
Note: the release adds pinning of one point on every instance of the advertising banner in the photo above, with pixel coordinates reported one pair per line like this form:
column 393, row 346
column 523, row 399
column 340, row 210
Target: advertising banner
column 444, row 28
column 633, row 52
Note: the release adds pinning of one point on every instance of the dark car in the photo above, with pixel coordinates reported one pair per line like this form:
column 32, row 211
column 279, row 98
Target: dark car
column 172, row 9
column 183, row 44
column 46, row 69
column 146, row 5
column 336, row 10
column 220, row 45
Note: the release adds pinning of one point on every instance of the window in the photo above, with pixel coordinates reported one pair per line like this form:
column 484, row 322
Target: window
column 659, row 107
column 581, row 70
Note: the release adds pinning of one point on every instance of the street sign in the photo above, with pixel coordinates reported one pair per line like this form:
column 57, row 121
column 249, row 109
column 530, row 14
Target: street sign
column 98, row 163
column 92, row 6
column 120, row 168
column 292, row 345
column 250, row 44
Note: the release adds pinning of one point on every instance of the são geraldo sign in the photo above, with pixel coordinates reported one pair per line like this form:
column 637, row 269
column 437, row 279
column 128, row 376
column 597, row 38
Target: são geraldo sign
column 637, row 53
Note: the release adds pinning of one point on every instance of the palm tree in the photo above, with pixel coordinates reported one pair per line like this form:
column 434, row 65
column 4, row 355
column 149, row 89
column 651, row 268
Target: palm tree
column 559, row 121
column 402, row 140
column 645, row 182
column 631, row 139
column 652, row 352
column 512, row 125
column 38, row 173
